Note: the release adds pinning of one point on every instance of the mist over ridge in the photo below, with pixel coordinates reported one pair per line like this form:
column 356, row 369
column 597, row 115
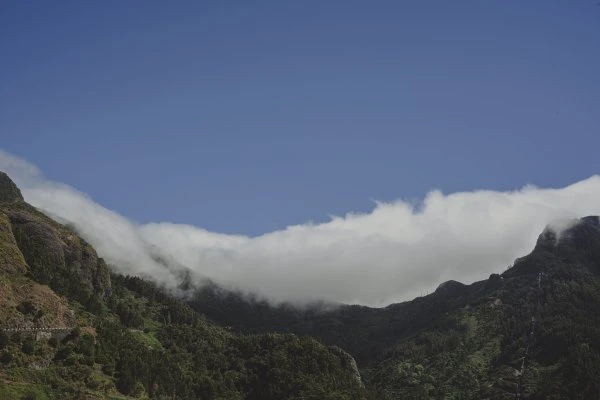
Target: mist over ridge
column 394, row 252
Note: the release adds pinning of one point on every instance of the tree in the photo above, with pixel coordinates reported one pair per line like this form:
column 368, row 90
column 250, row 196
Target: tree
column 6, row 357
column 4, row 339
column 28, row 346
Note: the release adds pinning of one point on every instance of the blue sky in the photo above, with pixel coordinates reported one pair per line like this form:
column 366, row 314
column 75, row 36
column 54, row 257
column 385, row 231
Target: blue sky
column 248, row 117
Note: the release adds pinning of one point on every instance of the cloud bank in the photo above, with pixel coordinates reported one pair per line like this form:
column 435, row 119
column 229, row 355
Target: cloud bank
column 397, row 251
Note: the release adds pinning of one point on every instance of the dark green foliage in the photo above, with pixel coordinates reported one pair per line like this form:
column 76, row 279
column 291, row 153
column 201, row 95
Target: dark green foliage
column 138, row 339
column 464, row 342
column 198, row 360
column 4, row 340
column 74, row 334
column 6, row 357
column 63, row 353
column 53, row 342
column 28, row 346
column 92, row 384
column 26, row 307
column 461, row 342
column 171, row 310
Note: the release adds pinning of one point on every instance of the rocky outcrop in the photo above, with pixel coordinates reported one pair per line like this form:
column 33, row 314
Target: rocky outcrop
column 9, row 192
column 577, row 239
column 11, row 259
column 56, row 256
column 348, row 363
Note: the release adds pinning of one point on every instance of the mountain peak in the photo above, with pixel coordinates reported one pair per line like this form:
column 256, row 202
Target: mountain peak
column 578, row 239
column 569, row 232
column 592, row 220
column 9, row 192
column 450, row 287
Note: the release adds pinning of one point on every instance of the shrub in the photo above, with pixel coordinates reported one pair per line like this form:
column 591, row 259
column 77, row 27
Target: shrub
column 26, row 307
column 28, row 346
column 6, row 357
column 92, row 384
column 4, row 339
column 63, row 353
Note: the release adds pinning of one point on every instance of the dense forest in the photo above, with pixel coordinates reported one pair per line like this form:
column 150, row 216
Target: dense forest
column 532, row 331
column 124, row 337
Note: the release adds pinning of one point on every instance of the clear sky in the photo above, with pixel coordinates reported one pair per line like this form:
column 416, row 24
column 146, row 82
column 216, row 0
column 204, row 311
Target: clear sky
column 245, row 117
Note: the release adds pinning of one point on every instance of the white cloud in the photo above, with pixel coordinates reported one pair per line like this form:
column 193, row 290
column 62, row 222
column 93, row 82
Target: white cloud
column 395, row 252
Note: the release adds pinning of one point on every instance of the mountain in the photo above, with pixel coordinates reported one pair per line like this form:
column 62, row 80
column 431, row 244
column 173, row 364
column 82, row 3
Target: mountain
column 70, row 328
column 532, row 331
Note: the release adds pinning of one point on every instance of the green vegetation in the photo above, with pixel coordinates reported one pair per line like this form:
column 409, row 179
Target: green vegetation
column 131, row 339
column 463, row 342
column 127, row 338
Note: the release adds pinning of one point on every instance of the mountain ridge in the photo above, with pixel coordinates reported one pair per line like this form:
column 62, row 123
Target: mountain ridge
column 9, row 192
column 489, row 319
column 532, row 331
column 72, row 329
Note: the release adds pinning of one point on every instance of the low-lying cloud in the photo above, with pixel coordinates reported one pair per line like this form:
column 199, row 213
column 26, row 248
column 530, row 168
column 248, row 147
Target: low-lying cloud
column 395, row 252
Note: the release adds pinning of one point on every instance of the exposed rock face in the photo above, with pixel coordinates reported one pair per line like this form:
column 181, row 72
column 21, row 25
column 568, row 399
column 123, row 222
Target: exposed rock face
column 580, row 240
column 46, row 267
column 9, row 192
column 348, row 362
column 574, row 233
column 56, row 256
column 11, row 259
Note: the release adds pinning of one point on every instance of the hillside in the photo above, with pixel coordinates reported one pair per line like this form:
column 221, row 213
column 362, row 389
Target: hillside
column 533, row 330
column 72, row 329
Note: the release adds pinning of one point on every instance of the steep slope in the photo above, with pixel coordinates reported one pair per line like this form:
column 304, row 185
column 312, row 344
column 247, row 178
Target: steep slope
column 532, row 331
column 71, row 330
